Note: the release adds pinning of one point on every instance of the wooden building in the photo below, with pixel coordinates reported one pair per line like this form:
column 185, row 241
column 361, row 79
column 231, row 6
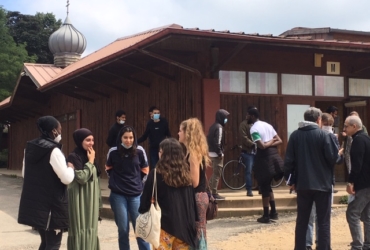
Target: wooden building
column 191, row 73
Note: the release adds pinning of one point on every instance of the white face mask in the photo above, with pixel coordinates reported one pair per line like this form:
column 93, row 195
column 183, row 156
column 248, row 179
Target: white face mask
column 121, row 122
column 58, row 138
column 327, row 129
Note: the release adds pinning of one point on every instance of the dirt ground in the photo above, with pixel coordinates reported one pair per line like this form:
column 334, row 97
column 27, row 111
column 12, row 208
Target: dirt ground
column 280, row 235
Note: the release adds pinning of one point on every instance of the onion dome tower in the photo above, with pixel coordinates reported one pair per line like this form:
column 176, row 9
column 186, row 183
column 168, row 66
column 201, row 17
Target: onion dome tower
column 67, row 43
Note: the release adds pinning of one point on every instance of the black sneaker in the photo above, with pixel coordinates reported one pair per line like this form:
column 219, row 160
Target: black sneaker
column 218, row 197
column 274, row 216
column 264, row 219
column 249, row 193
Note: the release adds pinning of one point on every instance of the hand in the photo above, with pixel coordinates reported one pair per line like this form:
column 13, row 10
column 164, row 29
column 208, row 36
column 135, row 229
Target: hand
column 344, row 134
column 340, row 152
column 108, row 168
column 91, row 155
column 70, row 165
column 350, row 189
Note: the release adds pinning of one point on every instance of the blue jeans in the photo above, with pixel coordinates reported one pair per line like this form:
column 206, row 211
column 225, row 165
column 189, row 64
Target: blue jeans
column 123, row 207
column 359, row 210
column 248, row 160
column 154, row 157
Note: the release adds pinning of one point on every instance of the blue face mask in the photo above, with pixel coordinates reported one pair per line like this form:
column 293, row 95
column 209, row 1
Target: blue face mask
column 225, row 121
column 156, row 116
column 123, row 145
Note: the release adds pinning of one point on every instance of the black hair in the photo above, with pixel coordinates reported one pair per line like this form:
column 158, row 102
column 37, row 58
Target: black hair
column 331, row 109
column 120, row 112
column 152, row 108
column 123, row 151
column 254, row 112
column 252, row 107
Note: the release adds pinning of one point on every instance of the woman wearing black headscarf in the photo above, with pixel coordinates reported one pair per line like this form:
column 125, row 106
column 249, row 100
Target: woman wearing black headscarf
column 44, row 199
column 84, row 194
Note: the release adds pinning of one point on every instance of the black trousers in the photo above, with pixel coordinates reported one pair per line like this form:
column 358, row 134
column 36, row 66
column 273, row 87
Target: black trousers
column 50, row 240
column 305, row 198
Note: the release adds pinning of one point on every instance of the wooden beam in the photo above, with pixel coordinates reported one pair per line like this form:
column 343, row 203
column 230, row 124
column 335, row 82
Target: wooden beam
column 152, row 71
column 170, row 61
column 73, row 95
column 127, row 77
column 230, row 56
column 88, row 89
column 29, row 112
column 111, row 85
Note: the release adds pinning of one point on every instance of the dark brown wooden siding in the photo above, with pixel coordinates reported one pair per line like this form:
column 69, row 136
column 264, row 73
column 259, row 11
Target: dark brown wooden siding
column 177, row 101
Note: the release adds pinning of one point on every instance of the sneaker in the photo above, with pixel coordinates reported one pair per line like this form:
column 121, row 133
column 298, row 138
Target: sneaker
column 218, row 197
column 249, row 193
column 264, row 219
column 274, row 216
column 335, row 191
column 308, row 248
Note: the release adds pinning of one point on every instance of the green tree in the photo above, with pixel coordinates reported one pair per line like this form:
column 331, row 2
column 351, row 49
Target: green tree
column 35, row 32
column 12, row 57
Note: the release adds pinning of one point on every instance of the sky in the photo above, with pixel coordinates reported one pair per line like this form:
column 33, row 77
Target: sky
column 104, row 21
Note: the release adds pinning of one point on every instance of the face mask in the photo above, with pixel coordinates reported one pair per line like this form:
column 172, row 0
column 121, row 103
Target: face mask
column 327, row 128
column 58, row 138
column 123, row 145
column 225, row 121
column 156, row 116
column 121, row 122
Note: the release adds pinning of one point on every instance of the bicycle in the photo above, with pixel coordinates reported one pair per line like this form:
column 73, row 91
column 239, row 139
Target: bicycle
column 233, row 174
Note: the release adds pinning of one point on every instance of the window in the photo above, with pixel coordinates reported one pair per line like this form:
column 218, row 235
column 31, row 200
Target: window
column 359, row 87
column 329, row 86
column 296, row 84
column 232, row 81
column 262, row 83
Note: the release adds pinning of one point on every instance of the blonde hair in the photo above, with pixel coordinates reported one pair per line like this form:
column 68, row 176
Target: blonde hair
column 195, row 140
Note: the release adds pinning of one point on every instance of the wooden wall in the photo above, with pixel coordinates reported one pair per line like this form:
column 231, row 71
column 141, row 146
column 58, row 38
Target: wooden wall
column 177, row 101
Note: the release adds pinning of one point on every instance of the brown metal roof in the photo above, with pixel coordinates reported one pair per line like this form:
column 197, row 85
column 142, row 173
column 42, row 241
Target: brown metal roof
column 5, row 102
column 41, row 73
column 45, row 75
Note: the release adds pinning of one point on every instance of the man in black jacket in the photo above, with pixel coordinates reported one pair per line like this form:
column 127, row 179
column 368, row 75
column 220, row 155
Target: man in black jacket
column 215, row 140
column 311, row 155
column 157, row 130
column 116, row 127
column 358, row 183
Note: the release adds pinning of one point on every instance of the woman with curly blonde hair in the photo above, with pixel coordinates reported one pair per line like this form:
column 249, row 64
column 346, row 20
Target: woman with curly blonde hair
column 175, row 198
column 191, row 134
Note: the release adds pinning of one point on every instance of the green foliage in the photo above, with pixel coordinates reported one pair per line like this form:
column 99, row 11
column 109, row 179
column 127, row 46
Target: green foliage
column 343, row 199
column 34, row 31
column 3, row 157
column 12, row 57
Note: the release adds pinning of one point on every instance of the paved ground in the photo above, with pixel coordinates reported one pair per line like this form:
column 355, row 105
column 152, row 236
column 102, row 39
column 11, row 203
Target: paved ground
column 223, row 234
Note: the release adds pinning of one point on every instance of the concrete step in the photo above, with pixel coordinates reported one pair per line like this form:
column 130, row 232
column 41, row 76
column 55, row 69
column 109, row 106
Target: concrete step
column 239, row 212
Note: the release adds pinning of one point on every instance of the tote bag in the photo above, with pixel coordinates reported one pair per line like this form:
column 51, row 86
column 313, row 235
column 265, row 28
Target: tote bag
column 148, row 225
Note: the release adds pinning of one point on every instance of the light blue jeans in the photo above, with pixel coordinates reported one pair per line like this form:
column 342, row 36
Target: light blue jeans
column 248, row 160
column 123, row 207
column 359, row 210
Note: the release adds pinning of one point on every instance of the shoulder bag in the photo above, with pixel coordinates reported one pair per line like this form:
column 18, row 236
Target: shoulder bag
column 148, row 225
column 212, row 204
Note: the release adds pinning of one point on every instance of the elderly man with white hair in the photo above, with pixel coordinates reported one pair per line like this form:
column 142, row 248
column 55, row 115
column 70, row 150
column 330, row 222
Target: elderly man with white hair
column 358, row 183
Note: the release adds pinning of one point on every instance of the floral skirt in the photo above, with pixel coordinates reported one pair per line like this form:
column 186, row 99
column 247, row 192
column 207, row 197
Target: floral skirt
column 202, row 201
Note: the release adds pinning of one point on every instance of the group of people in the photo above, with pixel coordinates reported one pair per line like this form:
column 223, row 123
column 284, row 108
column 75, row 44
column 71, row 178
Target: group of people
column 63, row 194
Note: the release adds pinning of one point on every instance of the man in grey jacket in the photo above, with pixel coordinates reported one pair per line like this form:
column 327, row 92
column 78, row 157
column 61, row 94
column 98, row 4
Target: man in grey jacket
column 215, row 140
column 310, row 157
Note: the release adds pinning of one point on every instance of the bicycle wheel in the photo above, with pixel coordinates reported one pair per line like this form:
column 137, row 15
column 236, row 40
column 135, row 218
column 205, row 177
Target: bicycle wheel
column 275, row 184
column 233, row 175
